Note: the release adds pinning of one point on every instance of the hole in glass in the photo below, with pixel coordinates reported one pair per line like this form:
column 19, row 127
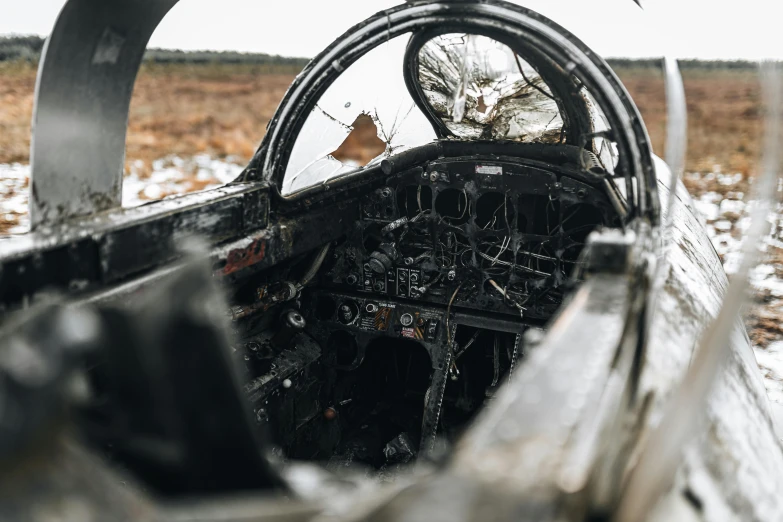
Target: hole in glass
column 481, row 106
column 362, row 144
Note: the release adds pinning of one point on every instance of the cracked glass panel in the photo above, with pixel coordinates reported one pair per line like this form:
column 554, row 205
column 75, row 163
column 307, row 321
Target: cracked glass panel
column 334, row 139
column 481, row 89
column 362, row 145
column 605, row 149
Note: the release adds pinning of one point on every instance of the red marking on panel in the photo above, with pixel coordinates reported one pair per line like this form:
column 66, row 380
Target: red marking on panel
column 245, row 257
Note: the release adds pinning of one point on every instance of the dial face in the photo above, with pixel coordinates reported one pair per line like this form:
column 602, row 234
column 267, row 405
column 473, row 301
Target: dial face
column 347, row 312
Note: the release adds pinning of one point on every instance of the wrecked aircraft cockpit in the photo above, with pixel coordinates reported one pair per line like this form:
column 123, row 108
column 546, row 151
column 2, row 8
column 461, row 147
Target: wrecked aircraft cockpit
column 441, row 282
column 492, row 183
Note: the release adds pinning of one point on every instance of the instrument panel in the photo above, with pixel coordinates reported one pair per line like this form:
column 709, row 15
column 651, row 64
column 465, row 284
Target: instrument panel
column 493, row 235
column 346, row 322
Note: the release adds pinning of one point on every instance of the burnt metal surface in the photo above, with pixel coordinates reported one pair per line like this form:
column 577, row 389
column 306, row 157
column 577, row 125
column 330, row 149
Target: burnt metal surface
column 106, row 248
column 536, row 443
column 357, row 324
column 284, row 238
column 167, row 395
column 734, row 471
column 731, row 474
column 95, row 257
column 83, row 91
column 709, row 473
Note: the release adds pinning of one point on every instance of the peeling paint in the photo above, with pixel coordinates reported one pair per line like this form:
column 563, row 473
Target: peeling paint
column 242, row 258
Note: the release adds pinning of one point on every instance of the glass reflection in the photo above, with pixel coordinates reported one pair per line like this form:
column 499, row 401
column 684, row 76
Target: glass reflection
column 481, row 89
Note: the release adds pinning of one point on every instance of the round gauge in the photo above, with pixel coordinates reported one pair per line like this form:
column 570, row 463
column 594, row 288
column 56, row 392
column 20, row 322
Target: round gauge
column 347, row 312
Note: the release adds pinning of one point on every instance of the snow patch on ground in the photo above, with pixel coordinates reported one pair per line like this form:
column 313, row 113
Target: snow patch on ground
column 770, row 361
column 174, row 175
column 726, row 220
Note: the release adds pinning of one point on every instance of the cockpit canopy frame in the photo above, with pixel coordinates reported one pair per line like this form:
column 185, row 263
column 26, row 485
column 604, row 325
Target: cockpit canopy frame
column 567, row 65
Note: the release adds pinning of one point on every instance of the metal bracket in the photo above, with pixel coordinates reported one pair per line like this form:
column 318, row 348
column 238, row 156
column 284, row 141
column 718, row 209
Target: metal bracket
column 609, row 251
column 82, row 99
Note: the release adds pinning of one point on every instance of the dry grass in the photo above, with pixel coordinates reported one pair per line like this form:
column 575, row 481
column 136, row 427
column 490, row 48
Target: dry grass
column 724, row 116
column 764, row 317
column 764, row 323
column 17, row 84
column 184, row 110
column 187, row 110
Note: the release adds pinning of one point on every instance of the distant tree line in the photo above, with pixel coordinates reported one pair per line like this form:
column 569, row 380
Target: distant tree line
column 25, row 48
column 703, row 65
column 28, row 48
column 229, row 57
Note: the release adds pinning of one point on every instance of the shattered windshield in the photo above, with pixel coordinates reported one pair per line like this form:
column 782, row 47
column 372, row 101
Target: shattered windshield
column 481, row 89
column 477, row 86
column 364, row 116
column 603, row 147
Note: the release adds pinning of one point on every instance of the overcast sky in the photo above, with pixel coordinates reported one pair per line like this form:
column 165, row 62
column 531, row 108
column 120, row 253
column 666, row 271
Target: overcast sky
column 710, row 29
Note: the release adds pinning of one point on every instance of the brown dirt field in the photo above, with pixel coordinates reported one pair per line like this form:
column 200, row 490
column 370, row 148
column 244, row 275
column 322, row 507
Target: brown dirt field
column 17, row 83
column 191, row 110
column 223, row 110
column 183, row 110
